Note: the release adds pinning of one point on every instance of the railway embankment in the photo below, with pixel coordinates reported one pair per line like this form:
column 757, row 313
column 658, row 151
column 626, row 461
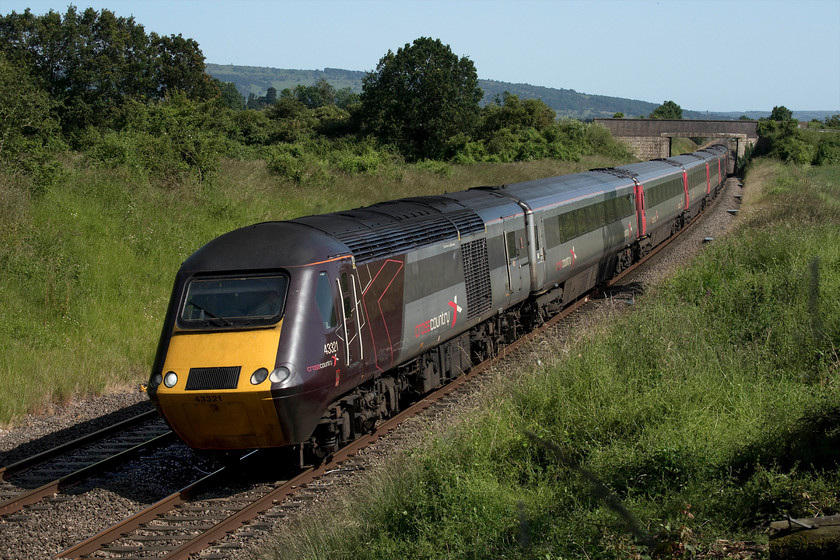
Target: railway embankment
column 680, row 415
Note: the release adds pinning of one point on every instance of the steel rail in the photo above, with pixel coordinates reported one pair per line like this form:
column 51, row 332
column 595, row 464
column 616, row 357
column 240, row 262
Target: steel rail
column 45, row 456
column 34, row 496
column 129, row 524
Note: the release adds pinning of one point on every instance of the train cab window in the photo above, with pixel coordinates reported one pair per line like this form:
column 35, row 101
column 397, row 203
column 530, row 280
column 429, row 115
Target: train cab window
column 324, row 298
column 233, row 301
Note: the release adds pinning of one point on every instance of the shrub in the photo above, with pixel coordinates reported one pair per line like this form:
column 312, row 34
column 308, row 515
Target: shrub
column 828, row 150
column 433, row 166
column 294, row 162
column 366, row 163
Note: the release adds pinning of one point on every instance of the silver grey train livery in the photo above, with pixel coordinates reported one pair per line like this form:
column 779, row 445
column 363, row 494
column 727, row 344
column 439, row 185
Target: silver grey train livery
column 304, row 333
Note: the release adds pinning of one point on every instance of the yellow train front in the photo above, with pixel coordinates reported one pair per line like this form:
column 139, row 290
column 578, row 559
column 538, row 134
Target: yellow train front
column 248, row 356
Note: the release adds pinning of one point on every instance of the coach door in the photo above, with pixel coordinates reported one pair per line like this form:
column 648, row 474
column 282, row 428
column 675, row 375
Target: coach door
column 351, row 317
column 516, row 253
column 639, row 192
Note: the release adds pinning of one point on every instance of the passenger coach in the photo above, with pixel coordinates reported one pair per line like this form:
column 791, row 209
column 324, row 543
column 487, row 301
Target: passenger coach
column 305, row 333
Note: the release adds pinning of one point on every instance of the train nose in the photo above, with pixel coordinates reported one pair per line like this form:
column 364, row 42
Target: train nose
column 214, row 405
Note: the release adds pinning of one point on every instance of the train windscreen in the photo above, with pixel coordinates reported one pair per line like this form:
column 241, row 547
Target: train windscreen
column 233, row 301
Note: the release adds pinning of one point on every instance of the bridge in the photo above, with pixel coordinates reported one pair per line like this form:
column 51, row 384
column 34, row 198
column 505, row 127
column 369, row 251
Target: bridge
column 651, row 138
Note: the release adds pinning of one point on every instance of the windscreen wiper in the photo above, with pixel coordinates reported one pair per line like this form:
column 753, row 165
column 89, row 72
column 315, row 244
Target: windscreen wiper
column 224, row 322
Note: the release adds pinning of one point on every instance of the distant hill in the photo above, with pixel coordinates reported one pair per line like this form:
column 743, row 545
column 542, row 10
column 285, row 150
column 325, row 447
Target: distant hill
column 567, row 102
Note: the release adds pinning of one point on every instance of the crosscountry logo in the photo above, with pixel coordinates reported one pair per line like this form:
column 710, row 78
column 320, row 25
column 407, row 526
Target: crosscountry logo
column 442, row 319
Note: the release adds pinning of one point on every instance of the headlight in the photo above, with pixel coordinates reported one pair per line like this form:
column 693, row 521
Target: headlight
column 155, row 380
column 280, row 374
column 259, row 376
column 170, row 379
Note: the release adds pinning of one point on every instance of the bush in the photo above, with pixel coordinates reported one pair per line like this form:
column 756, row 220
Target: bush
column 433, row 166
column 167, row 141
column 828, row 150
column 294, row 162
column 366, row 163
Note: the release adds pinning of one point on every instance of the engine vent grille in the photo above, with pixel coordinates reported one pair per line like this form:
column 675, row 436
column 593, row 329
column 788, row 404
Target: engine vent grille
column 212, row 378
column 476, row 277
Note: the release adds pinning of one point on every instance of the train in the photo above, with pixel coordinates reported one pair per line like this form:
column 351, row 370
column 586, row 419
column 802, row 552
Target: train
column 302, row 334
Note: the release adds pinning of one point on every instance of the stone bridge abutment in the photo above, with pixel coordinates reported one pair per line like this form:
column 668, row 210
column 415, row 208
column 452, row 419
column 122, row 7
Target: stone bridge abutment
column 651, row 138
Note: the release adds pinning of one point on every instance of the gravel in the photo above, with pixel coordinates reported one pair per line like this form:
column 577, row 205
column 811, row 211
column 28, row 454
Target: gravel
column 43, row 530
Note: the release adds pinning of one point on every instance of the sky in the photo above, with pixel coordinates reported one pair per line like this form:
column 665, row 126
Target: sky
column 705, row 55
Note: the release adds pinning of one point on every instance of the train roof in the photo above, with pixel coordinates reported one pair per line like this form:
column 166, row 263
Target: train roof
column 267, row 245
column 394, row 227
column 688, row 161
column 566, row 189
column 650, row 170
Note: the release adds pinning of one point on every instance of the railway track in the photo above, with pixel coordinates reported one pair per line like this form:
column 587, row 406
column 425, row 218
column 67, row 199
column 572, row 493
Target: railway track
column 187, row 521
column 192, row 519
column 230, row 501
column 30, row 480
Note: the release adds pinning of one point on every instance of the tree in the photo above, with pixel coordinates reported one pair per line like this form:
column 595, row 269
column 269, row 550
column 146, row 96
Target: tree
column 229, row 96
column 94, row 63
column 781, row 114
column 618, row 115
column 178, row 65
column 668, row 110
column 419, row 97
column 26, row 114
column 512, row 113
column 833, row 121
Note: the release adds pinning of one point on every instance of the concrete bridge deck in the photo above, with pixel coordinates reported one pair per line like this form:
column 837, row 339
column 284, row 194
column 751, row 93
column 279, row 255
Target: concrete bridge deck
column 651, row 138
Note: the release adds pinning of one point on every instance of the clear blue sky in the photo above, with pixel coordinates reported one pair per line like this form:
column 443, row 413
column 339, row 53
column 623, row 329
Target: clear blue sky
column 706, row 55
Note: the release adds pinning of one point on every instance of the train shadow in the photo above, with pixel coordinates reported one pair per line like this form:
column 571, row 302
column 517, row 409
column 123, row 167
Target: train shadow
column 71, row 433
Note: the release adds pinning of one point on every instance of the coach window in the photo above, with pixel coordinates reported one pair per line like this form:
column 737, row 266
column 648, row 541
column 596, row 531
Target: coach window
column 324, row 298
column 512, row 247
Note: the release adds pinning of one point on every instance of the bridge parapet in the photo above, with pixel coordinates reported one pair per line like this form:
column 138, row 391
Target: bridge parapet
column 652, row 136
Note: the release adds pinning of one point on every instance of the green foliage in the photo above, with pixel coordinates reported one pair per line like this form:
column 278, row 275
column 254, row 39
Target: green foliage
column 321, row 94
column 168, row 140
column 781, row 113
column 513, row 130
column 785, row 141
column 668, row 110
column 296, row 163
column 93, row 63
column 228, row 95
column 832, row 122
column 420, row 97
column 828, row 150
column 28, row 129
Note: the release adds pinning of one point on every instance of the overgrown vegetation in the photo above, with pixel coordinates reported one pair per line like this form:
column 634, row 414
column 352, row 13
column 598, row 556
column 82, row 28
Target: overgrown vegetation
column 781, row 137
column 120, row 157
column 707, row 412
column 87, row 266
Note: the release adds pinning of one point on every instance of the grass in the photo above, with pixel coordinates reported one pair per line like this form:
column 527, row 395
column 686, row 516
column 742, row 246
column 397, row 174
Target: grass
column 704, row 414
column 86, row 267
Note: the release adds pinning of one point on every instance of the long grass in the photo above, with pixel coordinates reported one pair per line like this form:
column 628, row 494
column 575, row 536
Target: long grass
column 86, row 267
column 703, row 414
